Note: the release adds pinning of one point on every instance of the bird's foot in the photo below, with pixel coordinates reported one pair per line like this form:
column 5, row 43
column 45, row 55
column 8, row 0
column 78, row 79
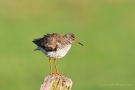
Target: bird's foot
column 58, row 74
column 55, row 73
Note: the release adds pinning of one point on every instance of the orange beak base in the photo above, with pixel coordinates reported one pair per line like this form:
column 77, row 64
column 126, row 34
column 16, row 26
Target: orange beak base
column 78, row 42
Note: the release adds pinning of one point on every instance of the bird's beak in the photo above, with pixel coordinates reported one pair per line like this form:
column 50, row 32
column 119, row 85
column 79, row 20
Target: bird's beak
column 78, row 42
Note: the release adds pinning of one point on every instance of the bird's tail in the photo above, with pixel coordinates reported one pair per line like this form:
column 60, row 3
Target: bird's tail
column 38, row 48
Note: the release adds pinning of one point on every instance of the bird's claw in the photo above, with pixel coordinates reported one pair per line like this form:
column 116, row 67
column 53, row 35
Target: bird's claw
column 55, row 73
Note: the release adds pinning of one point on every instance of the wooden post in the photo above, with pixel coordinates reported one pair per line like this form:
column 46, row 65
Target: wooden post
column 56, row 82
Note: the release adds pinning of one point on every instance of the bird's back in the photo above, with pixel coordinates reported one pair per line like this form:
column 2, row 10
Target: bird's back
column 49, row 42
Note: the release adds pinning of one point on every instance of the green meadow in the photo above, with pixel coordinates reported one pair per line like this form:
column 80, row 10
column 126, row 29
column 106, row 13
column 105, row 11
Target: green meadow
column 105, row 27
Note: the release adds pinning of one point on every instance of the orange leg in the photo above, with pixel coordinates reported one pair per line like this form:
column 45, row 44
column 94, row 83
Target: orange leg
column 56, row 67
column 50, row 66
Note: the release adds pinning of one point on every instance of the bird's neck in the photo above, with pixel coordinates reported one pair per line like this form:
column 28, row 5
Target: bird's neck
column 67, row 41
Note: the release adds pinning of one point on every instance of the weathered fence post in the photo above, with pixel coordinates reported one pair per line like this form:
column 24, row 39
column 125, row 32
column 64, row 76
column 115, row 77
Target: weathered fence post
column 56, row 82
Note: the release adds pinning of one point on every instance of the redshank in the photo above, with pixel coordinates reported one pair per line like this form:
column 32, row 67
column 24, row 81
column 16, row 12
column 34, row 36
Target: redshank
column 55, row 46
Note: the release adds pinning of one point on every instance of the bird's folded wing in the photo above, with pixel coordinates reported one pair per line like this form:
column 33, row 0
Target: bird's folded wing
column 48, row 42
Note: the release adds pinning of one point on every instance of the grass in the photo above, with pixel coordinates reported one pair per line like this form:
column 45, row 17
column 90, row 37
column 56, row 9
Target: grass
column 106, row 28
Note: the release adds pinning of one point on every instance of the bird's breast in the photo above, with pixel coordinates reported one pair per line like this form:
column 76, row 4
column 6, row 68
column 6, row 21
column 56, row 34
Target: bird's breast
column 59, row 53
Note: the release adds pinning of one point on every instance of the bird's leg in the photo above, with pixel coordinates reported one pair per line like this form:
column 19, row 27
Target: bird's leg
column 50, row 66
column 56, row 67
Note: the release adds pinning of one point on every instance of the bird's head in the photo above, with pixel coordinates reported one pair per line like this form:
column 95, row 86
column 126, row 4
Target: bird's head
column 71, row 38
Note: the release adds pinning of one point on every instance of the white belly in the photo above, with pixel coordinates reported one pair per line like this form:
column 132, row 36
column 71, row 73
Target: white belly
column 59, row 53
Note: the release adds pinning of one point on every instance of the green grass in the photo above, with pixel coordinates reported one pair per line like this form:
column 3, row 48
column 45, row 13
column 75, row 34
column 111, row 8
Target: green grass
column 106, row 28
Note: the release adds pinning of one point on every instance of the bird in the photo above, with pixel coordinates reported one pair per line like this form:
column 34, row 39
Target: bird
column 55, row 46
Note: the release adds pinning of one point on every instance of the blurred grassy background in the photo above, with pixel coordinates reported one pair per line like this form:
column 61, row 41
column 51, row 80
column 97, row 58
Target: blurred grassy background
column 105, row 27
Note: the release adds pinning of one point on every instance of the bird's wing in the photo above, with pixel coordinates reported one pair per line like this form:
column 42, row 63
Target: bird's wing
column 49, row 42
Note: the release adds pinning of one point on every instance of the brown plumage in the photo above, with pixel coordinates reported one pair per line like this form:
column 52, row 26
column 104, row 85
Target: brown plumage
column 49, row 41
